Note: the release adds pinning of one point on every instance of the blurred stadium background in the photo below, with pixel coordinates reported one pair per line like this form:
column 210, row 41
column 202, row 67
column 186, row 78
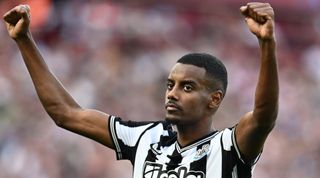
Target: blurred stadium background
column 115, row 56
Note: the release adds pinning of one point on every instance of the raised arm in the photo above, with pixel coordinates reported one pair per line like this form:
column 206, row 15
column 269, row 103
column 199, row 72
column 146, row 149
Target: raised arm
column 61, row 107
column 254, row 127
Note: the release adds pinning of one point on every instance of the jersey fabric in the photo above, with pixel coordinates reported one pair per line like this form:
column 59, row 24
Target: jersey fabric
column 154, row 152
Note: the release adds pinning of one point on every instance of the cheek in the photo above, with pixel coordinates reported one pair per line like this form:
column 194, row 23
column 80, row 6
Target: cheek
column 197, row 104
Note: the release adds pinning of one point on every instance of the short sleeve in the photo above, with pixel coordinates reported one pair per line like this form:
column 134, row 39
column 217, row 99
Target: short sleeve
column 125, row 136
column 232, row 160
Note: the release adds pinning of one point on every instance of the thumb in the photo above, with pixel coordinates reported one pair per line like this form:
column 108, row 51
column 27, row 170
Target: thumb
column 244, row 10
column 253, row 25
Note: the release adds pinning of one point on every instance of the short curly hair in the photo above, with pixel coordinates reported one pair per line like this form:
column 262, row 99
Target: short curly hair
column 215, row 69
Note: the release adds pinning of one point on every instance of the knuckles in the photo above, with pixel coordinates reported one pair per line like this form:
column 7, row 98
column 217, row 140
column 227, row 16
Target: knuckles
column 260, row 9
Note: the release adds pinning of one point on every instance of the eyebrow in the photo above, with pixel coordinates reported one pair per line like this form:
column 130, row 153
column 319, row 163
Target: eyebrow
column 189, row 82
column 184, row 82
column 169, row 80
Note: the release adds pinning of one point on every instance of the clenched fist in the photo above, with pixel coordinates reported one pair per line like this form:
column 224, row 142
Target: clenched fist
column 17, row 21
column 260, row 19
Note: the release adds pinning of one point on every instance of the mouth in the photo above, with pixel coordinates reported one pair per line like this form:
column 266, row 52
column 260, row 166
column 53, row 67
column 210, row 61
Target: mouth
column 172, row 107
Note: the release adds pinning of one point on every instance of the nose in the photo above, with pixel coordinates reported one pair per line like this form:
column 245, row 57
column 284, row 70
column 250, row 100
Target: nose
column 173, row 94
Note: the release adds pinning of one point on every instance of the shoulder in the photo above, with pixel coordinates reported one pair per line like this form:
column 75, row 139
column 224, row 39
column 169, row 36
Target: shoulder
column 119, row 123
column 227, row 138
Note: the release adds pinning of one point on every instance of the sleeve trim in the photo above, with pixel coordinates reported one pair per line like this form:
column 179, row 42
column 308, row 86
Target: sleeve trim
column 236, row 145
column 112, row 125
column 238, row 150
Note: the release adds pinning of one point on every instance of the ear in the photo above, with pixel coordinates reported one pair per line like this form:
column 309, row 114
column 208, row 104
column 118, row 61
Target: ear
column 215, row 99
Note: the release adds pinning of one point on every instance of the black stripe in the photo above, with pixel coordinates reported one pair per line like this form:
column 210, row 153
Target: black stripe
column 201, row 164
column 175, row 160
column 230, row 159
column 244, row 170
column 175, row 157
column 151, row 157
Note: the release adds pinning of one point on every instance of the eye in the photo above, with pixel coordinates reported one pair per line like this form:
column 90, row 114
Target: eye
column 169, row 86
column 187, row 88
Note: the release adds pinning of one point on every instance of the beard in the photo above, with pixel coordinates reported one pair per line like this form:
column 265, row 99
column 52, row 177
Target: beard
column 172, row 121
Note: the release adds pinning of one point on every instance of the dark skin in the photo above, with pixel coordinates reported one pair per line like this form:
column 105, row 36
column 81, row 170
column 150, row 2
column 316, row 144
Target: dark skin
column 187, row 90
column 189, row 102
column 254, row 127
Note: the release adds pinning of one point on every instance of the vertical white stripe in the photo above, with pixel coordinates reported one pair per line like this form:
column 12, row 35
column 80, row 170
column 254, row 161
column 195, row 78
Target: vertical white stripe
column 149, row 137
column 214, row 160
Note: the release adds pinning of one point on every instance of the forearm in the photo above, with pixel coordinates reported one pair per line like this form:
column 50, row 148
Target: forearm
column 267, row 91
column 52, row 94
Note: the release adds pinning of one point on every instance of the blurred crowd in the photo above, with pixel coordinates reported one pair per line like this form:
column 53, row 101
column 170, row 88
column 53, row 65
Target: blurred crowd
column 115, row 57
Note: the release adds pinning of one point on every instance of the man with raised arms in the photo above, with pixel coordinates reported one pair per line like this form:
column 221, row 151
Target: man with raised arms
column 184, row 145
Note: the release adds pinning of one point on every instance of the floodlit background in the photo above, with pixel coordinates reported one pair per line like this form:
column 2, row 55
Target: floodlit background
column 115, row 56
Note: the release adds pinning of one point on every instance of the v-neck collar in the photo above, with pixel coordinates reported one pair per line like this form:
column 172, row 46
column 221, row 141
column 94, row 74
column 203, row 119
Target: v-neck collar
column 196, row 142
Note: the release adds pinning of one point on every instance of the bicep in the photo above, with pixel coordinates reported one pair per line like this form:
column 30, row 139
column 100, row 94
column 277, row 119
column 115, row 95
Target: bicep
column 250, row 136
column 90, row 123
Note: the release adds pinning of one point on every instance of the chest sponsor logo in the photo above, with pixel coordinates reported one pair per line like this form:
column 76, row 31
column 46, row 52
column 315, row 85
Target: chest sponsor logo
column 154, row 170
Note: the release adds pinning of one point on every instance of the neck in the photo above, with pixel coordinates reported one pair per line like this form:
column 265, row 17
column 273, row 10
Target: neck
column 189, row 133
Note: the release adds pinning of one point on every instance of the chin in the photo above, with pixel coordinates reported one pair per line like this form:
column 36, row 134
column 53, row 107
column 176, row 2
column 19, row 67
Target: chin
column 172, row 120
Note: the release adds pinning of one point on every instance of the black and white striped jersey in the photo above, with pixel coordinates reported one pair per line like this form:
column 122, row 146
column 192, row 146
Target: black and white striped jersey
column 154, row 152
